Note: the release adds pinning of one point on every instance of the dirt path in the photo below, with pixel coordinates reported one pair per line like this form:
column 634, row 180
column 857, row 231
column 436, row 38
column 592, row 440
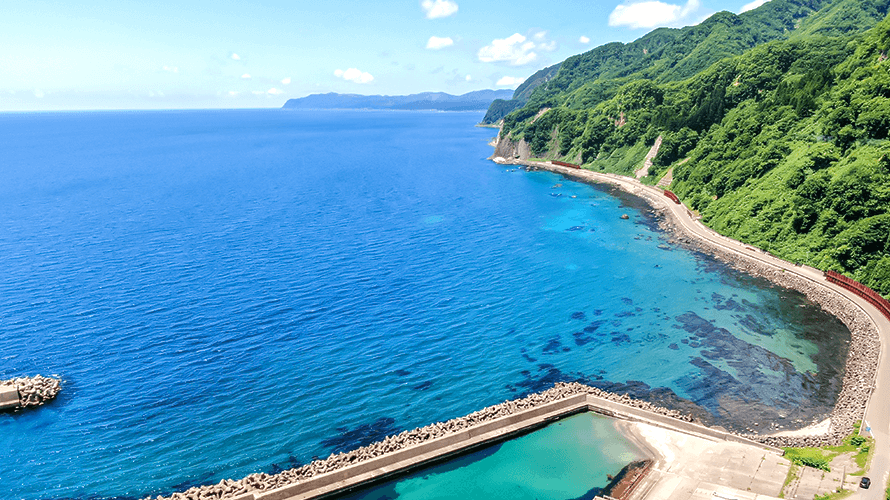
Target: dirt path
column 653, row 151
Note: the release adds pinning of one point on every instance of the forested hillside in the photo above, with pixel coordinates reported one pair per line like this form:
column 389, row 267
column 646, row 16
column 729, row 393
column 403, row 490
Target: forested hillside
column 784, row 146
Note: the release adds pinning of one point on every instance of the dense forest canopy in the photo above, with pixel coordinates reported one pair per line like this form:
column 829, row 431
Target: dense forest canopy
column 775, row 125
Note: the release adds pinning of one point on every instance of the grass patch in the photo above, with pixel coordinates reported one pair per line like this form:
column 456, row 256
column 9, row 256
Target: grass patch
column 816, row 458
column 820, row 458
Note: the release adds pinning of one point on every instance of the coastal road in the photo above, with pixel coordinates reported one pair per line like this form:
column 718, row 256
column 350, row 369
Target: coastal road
column 877, row 414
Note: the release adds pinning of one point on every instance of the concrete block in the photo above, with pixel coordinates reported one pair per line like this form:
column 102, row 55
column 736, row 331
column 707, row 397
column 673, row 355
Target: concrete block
column 9, row 397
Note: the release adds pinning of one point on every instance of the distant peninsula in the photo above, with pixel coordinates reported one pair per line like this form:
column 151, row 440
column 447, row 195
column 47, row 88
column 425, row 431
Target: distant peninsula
column 478, row 100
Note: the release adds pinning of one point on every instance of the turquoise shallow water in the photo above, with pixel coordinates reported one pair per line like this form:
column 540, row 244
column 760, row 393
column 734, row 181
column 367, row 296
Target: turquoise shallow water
column 227, row 292
column 565, row 460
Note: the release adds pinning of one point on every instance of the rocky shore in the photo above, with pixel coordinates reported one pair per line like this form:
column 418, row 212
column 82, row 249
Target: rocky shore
column 863, row 356
column 862, row 359
column 34, row 391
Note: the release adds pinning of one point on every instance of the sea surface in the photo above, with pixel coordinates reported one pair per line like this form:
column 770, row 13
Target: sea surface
column 229, row 292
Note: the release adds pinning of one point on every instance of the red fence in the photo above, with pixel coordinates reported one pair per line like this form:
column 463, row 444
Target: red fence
column 564, row 164
column 861, row 290
column 672, row 196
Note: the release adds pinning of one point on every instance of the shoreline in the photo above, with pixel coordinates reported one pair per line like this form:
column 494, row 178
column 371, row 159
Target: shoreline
column 850, row 405
column 862, row 360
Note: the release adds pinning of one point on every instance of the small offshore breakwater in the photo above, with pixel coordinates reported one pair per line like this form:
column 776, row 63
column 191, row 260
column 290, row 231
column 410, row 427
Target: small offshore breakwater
column 28, row 392
column 864, row 352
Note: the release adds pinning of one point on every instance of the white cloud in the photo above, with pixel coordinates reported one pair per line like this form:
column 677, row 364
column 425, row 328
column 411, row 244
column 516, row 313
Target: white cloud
column 274, row 91
column 171, row 69
column 438, row 8
column 233, row 93
column 547, row 46
column 468, row 78
column 436, row 43
column 652, row 13
column 245, row 76
column 753, row 5
column 235, row 56
column 285, row 81
column 38, row 93
column 515, row 49
column 584, row 40
column 509, row 81
column 354, row 75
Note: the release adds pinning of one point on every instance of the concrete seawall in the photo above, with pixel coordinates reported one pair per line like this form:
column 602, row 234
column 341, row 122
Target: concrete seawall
column 859, row 317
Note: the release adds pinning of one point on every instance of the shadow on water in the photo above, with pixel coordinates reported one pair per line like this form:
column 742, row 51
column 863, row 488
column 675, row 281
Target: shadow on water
column 363, row 435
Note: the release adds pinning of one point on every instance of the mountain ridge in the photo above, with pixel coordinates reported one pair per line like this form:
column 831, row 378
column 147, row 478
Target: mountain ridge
column 471, row 101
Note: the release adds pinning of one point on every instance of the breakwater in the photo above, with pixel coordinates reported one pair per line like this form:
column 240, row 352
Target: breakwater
column 28, row 392
column 443, row 439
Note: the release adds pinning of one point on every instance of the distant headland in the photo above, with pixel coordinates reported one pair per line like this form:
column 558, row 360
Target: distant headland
column 478, row 100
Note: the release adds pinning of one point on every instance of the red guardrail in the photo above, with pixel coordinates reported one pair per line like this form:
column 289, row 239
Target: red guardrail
column 873, row 297
column 672, row 196
column 564, row 164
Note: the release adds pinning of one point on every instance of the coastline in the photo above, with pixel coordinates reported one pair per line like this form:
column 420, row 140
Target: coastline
column 849, row 407
column 862, row 359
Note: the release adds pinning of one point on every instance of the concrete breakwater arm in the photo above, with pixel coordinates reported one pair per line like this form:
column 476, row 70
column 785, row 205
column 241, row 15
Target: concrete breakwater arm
column 27, row 392
column 435, row 442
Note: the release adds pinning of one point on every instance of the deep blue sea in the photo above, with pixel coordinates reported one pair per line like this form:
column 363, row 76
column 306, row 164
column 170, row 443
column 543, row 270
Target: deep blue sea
column 229, row 292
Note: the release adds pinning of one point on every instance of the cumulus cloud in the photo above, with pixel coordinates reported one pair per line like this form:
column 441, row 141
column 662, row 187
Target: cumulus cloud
column 652, row 13
column 285, row 81
column 245, row 76
column 274, row 91
column 233, row 93
column 235, row 56
column 354, row 75
column 515, row 49
column 468, row 78
column 438, row 8
column 509, row 81
column 436, row 43
column 584, row 40
column 753, row 5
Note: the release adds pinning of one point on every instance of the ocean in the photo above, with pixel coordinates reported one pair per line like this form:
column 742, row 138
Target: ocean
column 237, row 291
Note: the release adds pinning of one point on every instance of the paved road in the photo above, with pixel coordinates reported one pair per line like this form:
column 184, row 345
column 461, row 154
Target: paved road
column 877, row 413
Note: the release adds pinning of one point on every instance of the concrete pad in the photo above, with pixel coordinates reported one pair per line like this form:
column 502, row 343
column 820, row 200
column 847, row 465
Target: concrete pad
column 695, row 467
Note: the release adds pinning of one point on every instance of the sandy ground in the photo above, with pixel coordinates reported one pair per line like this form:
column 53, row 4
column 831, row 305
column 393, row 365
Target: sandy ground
column 810, row 430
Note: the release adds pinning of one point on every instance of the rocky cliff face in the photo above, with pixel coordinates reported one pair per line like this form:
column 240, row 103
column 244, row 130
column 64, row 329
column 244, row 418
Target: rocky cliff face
column 511, row 150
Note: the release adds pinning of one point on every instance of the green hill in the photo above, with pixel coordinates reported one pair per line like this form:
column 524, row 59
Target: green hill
column 775, row 123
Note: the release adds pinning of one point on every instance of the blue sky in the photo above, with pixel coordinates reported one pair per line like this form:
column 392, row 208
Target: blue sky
column 150, row 54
